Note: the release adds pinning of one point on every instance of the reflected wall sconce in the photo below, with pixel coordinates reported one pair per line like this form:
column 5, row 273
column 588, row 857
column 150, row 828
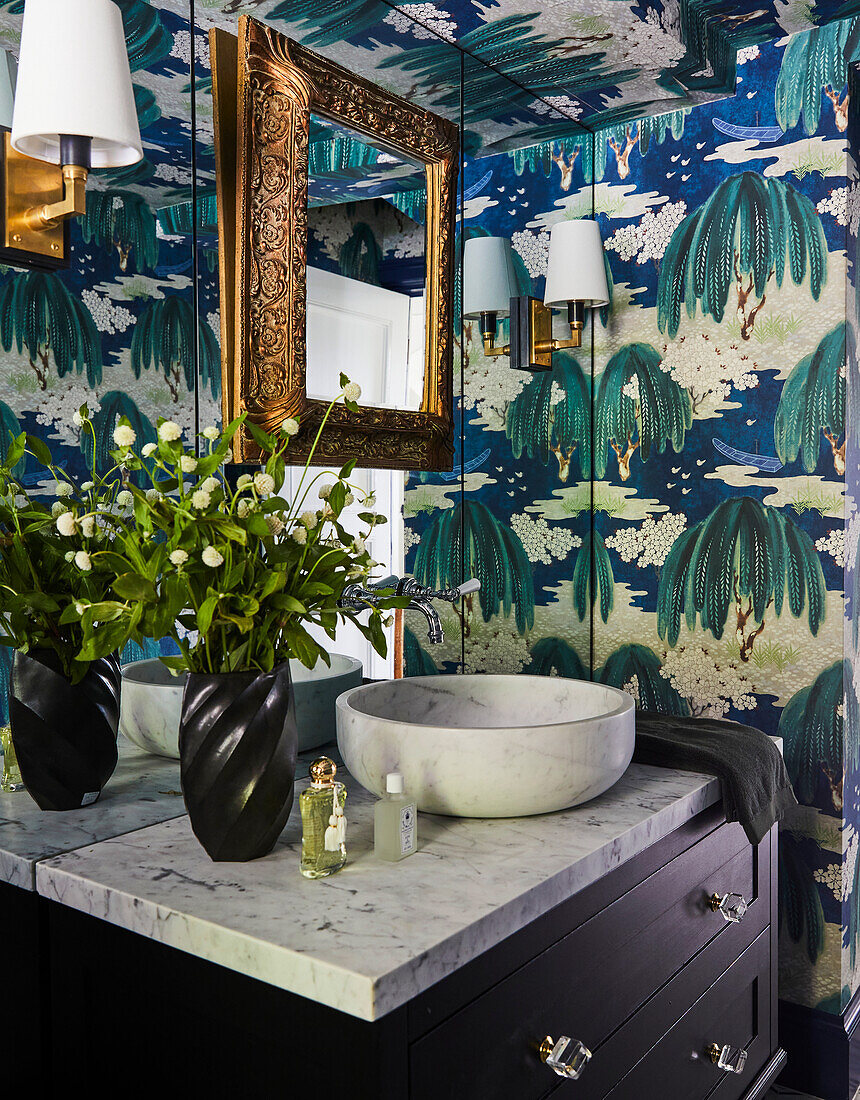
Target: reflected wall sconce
column 575, row 281
column 73, row 110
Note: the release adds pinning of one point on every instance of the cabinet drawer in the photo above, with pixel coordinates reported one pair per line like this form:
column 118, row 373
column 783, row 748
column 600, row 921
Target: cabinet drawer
column 733, row 1011
column 594, row 979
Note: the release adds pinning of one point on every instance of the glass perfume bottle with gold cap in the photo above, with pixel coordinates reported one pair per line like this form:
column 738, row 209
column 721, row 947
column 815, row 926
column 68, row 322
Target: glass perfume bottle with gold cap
column 323, row 821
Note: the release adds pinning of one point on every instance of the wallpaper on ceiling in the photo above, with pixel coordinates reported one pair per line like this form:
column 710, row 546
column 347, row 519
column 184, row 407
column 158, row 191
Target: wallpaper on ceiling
column 116, row 330
column 596, row 61
column 719, row 455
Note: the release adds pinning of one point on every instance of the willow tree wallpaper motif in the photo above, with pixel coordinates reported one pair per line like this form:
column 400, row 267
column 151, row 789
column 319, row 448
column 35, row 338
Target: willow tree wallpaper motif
column 684, row 531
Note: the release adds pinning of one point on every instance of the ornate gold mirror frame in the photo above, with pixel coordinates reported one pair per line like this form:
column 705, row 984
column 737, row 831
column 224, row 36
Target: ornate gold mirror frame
column 265, row 88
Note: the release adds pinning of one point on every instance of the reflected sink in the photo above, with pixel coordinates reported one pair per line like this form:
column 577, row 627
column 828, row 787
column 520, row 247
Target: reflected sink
column 151, row 702
column 488, row 746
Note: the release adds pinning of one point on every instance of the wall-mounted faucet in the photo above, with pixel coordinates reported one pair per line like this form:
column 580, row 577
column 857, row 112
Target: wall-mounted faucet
column 357, row 596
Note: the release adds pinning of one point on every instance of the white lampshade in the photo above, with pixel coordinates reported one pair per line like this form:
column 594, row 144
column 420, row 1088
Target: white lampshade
column 8, row 76
column 576, row 270
column 74, row 78
column 489, row 281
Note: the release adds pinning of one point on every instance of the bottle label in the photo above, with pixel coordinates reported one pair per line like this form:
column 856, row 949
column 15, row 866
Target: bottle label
column 407, row 829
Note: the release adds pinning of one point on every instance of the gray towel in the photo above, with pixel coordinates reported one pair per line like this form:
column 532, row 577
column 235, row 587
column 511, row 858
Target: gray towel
column 756, row 787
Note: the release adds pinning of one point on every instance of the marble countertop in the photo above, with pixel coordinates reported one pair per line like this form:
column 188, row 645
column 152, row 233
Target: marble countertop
column 143, row 790
column 372, row 937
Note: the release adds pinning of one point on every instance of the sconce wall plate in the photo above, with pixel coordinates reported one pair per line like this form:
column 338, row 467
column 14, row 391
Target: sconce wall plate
column 531, row 335
column 29, row 183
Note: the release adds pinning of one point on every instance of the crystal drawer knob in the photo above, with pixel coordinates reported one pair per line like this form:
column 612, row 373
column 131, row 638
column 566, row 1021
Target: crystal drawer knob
column 566, row 1058
column 732, row 906
column 729, row 1059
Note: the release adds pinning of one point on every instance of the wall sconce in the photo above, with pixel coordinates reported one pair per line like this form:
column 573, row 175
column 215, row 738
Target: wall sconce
column 73, row 110
column 576, row 280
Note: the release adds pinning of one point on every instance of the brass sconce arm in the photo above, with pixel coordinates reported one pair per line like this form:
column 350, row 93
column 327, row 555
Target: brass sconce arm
column 576, row 320
column 489, row 323
column 72, row 205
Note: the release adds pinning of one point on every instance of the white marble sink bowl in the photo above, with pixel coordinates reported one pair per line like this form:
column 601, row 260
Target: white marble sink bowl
column 151, row 702
column 488, row 746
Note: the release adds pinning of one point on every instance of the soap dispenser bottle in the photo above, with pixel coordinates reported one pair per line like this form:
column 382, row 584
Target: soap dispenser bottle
column 323, row 821
column 395, row 822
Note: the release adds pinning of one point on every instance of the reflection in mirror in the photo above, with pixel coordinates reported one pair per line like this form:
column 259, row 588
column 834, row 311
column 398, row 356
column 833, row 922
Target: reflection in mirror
column 366, row 268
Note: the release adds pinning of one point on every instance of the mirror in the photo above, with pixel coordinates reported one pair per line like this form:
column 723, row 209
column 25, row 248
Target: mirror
column 366, row 274
column 317, row 164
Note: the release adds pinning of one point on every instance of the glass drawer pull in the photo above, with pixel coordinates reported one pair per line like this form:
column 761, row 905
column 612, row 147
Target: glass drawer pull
column 566, row 1057
column 732, row 906
column 729, row 1059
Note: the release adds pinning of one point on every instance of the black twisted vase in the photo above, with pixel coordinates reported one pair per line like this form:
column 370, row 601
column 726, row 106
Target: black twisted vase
column 237, row 746
column 64, row 734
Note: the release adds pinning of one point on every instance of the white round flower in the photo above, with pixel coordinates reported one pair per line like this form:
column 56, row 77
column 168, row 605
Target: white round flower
column 169, row 431
column 275, row 524
column 212, row 557
column 188, row 464
column 63, row 489
column 352, row 391
column 201, row 499
column 325, row 491
column 290, row 426
column 228, row 457
column 77, row 419
column 123, row 435
column 309, row 519
column 57, row 508
column 66, row 523
column 148, row 449
column 358, row 544
column 70, row 556
column 82, row 561
column 300, row 535
column 349, row 499
column 243, row 481
column 80, row 608
column 87, row 485
column 88, row 526
column 244, row 508
column 211, row 485
column 211, row 432
column 179, row 557
column 152, row 495
column 124, row 499
column 264, row 483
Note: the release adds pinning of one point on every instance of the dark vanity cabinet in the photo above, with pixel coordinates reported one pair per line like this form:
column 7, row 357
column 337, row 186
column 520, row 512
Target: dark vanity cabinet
column 639, row 968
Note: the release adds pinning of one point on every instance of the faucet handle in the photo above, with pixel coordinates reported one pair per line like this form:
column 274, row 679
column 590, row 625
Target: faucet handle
column 386, row 582
column 468, row 587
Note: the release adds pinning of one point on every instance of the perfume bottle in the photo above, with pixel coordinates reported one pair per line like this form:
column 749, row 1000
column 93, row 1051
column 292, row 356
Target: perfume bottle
column 323, row 821
column 395, row 822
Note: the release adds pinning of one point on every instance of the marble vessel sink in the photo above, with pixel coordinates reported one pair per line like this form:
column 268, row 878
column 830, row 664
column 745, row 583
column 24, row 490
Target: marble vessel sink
column 488, row 746
column 151, row 702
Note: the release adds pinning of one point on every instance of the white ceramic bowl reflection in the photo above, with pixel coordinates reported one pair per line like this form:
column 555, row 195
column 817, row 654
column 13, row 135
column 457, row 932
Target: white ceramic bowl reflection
column 488, row 746
column 151, row 702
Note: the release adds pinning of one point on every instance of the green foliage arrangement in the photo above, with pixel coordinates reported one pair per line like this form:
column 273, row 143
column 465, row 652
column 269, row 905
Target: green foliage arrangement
column 541, row 425
column 233, row 574
column 57, row 574
column 593, row 558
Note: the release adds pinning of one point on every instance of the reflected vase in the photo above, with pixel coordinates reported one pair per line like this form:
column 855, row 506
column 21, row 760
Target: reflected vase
column 237, row 748
column 64, row 734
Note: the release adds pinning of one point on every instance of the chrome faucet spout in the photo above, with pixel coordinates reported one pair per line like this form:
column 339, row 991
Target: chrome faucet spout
column 435, row 634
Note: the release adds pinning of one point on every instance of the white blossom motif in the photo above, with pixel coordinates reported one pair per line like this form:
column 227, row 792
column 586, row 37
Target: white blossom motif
column 709, row 371
column 631, row 388
column 489, row 383
column 710, row 685
column 55, row 407
column 410, row 538
column 533, row 247
column 542, row 542
column 496, row 651
column 432, row 22
column 834, row 545
column 843, row 203
column 172, row 173
column 108, row 317
column 748, row 53
column 650, row 238
column 552, row 103
column 632, row 688
column 831, row 877
column 182, row 48
column 649, row 544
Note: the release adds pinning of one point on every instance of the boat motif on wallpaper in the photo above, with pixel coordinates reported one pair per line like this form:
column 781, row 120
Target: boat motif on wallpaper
column 739, row 565
column 760, row 226
column 748, row 133
column 766, row 463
